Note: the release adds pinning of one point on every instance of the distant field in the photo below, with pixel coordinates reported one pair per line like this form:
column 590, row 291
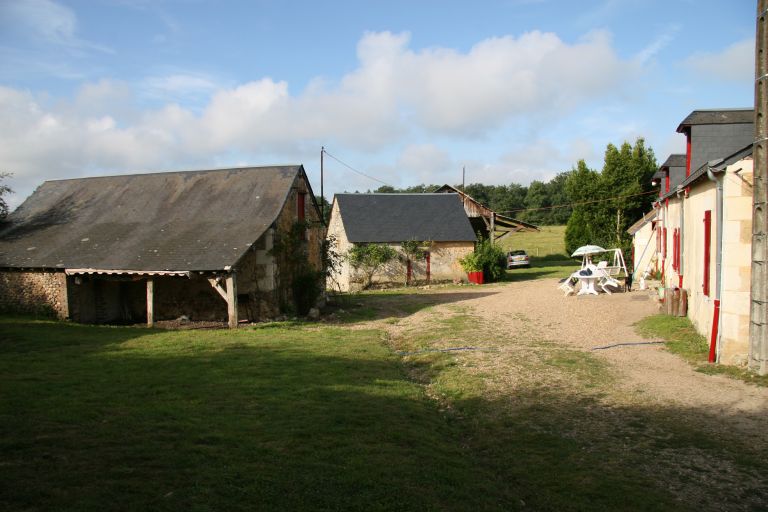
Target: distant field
column 550, row 240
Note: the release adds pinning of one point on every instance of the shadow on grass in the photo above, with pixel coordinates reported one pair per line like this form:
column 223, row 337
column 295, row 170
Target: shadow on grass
column 93, row 417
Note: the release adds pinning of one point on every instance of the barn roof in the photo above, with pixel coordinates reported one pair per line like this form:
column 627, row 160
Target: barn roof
column 401, row 217
column 194, row 220
column 475, row 208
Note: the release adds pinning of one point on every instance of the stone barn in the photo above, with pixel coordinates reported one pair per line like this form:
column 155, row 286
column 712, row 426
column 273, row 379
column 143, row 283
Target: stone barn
column 436, row 220
column 224, row 244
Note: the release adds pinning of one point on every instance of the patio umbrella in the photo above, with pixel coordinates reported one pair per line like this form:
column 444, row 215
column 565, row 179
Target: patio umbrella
column 585, row 250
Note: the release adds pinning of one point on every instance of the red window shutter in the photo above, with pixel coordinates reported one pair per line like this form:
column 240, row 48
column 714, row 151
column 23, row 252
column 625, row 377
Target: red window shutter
column 674, row 249
column 664, row 244
column 300, row 204
column 707, row 244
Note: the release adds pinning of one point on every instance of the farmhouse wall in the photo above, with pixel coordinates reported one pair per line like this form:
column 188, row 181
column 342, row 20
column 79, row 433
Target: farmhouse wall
column 340, row 280
column 34, row 292
column 737, row 256
column 700, row 307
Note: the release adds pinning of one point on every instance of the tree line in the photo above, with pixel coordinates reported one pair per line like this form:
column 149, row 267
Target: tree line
column 596, row 205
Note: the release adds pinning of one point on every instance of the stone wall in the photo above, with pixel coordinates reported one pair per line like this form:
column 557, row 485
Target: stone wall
column 34, row 292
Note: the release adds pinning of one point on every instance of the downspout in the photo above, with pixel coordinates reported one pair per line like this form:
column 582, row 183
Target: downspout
column 716, row 338
column 681, row 266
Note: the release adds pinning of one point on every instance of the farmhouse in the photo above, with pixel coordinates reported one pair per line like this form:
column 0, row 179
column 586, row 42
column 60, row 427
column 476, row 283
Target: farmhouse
column 702, row 228
column 437, row 220
column 211, row 245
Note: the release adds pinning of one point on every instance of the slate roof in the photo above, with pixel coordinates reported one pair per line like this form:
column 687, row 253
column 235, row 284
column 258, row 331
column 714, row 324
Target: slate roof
column 193, row 221
column 701, row 172
column 674, row 160
column 718, row 116
column 380, row 218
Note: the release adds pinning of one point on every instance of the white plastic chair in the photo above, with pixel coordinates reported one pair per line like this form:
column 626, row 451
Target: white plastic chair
column 606, row 279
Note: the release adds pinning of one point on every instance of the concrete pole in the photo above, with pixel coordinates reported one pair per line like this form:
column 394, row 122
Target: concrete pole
column 758, row 312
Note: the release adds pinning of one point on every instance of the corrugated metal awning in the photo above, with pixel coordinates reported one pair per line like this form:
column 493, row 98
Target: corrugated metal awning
column 83, row 271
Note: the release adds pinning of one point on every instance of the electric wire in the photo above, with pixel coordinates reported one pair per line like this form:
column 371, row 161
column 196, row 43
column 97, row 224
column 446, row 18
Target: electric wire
column 355, row 170
column 569, row 205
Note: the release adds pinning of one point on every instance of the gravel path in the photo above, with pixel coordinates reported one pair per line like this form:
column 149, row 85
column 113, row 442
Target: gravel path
column 652, row 395
column 647, row 371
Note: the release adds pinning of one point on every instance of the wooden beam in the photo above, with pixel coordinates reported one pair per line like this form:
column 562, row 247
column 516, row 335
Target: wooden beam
column 150, row 302
column 232, row 300
column 217, row 286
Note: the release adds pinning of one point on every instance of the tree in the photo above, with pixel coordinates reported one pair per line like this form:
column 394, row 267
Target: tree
column 607, row 203
column 412, row 250
column 582, row 186
column 4, row 191
column 369, row 258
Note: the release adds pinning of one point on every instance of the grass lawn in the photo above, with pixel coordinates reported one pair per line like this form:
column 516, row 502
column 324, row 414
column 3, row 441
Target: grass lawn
column 682, row 339
column 278, row 418
column 548, row 241
column 294, row 416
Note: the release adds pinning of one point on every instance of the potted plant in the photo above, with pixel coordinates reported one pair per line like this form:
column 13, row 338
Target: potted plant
column 473, row 267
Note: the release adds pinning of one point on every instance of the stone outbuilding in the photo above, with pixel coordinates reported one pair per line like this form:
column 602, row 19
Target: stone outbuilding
column 211, row 245
column 437, row 220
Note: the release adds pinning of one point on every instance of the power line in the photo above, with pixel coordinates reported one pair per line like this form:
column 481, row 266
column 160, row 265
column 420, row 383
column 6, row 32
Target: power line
column 355, row 170
column 579, row 204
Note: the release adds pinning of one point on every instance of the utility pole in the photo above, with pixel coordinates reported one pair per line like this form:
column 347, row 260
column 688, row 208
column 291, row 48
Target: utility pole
column 758, row 309
column 322, row 195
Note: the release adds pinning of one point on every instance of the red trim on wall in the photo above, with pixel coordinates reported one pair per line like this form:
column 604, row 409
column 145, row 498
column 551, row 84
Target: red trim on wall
column 666, row 181
column 301, row 198
column 707, row 248
column 688, row 153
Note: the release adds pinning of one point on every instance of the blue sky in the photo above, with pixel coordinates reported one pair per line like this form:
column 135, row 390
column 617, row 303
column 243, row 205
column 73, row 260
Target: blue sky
column 407, row 92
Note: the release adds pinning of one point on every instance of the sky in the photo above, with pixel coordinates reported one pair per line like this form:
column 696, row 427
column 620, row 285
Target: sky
column 405, row 92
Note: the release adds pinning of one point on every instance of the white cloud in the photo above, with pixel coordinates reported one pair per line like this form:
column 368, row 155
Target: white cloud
column 658, row 44
column 47, row 21
column 396, row 94
column 735, row 62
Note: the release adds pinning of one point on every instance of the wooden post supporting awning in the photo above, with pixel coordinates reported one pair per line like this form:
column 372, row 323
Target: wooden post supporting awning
column 229, row 294
column 150, row 301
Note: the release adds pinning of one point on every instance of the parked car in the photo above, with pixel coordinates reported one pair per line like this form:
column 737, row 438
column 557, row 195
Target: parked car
column 518, row 259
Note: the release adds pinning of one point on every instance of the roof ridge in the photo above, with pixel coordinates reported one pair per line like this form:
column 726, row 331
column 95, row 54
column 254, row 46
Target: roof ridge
column 186, row 171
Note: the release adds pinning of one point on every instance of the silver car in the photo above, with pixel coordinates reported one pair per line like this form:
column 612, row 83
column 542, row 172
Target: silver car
column 518, row 259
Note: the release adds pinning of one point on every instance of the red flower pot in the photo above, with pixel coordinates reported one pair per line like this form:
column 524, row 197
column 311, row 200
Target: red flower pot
column 476, row 277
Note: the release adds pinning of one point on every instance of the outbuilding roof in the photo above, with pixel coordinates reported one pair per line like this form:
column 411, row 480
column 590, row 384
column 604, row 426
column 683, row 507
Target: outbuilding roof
column 380, row 218
column 718, row 116
column 171, row 221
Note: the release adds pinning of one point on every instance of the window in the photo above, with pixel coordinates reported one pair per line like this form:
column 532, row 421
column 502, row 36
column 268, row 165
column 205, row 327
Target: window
column 707, row 246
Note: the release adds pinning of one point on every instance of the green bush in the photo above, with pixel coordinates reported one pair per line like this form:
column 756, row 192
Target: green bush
column 493, row 259
column 471, row 262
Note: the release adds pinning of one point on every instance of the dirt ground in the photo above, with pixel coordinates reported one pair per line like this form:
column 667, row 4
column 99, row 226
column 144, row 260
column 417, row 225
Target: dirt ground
column 525, row 323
